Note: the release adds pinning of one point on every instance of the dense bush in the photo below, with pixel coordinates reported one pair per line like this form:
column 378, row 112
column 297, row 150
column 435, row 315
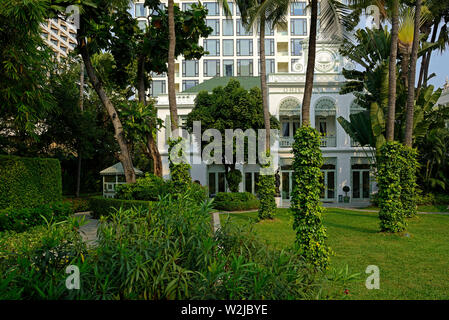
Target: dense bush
column 78, row 204
column 235, row 201
column 147, row 188
column 101, row 206
column 33, row 263
column 22, row 219
column 267, row 192
column 408, row 181
column 234, row 177
column 29, row 182
column 305, row 204
column 391, row 165
column 171, row 253
column 179, row 168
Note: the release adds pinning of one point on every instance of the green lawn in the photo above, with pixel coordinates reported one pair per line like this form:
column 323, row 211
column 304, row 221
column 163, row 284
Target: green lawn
column 414, row 267
column 423, row 208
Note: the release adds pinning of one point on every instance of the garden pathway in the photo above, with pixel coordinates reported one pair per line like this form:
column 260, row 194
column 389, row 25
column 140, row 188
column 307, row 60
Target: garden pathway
column 88, row 231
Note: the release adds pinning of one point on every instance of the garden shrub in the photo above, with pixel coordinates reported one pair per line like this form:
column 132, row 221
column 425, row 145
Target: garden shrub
column 29, row 182
column 305, row 203
column 170, row 253
column 234, row 177
column 408, row 181
column 21, row 219
column 235, row 201
column 148, row 188
column 78, row 204
column 390, row 163
column 179, row 168
column 267, row 193
column 101, row 206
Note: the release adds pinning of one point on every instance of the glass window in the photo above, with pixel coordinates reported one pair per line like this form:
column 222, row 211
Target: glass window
column 211, row 68
column 296, row 47
column 213, row 8
column 241, row 31
column 228, row 68
column 157, row 87
column 221, row 182
column 228, row 27
column 228, row 47
column 186, row 84
column 212, row 189
column 186, row 6
column 298, row 9
column 286, row 129
column 142, row 24
column 330, row 184
column 245, row 67
column 140, row 10
column 215, row 25
column 245, row 47
column 269, row 63
column 190, row 68
column 212, row 46
column 298, row 27
column 269, row 47
column 356, row 184
column 249, row 182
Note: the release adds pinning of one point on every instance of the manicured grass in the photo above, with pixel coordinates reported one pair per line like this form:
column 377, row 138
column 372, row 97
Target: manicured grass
column 423, row 208
column 414, row 265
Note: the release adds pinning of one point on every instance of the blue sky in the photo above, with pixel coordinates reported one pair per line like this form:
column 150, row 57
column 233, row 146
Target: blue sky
column 439, row 64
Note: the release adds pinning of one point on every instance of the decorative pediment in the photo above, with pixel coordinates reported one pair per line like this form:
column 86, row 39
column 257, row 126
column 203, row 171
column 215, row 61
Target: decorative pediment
column 290, row 107
column 325, row 106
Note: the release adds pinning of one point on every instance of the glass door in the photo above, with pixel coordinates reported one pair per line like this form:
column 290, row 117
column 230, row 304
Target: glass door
column 360, row 181
column 328, row 180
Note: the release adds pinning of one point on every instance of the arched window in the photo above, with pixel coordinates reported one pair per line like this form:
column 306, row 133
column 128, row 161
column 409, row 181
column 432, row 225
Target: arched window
column 325, row 107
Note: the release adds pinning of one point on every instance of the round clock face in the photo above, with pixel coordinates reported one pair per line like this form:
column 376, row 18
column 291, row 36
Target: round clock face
column 325, row 61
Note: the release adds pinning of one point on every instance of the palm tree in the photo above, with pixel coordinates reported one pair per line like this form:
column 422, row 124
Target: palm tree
column 332, row 20
column 251, row 14
column 392, row 70
column 411, row 77
column 171, row 68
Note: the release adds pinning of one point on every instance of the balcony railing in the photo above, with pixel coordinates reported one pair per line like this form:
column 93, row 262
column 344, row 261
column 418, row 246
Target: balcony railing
column 286, row 142
column 326, row 142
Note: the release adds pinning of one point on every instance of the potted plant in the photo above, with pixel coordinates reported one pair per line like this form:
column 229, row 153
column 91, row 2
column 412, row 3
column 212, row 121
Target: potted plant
column 346, row 198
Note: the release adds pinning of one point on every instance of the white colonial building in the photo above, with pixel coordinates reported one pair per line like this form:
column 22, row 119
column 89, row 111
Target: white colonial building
column 346, row 164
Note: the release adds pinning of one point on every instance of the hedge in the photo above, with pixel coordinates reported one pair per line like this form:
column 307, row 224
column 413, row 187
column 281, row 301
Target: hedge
column 29, row 182
column 305, row 204
column 235, row 201
column 104, row 206
column 22, row 219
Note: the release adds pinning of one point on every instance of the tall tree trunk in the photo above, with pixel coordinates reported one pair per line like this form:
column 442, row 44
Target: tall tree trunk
column 405, row 65
column 171, row 68
column 81, row 106
column 151, row 145
column 263, row 84
column 411, row 79
column 305, row 114
column 125, row 155
column 392, row 72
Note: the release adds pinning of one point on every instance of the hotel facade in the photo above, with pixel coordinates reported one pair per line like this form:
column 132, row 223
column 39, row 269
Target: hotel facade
column 233, row 52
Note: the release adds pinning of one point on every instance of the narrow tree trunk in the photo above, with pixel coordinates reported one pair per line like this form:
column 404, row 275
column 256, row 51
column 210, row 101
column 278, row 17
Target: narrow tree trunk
column 411, row 79
column 392, row 72
column 263, row 84
column 310, row 65
column 151, row 145
column 171, row 68
column 405, row 65
column 81, row 106
column 125, row 155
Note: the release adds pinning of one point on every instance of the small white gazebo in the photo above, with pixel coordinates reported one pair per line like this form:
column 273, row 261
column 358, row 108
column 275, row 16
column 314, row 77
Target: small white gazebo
column 114, row 176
